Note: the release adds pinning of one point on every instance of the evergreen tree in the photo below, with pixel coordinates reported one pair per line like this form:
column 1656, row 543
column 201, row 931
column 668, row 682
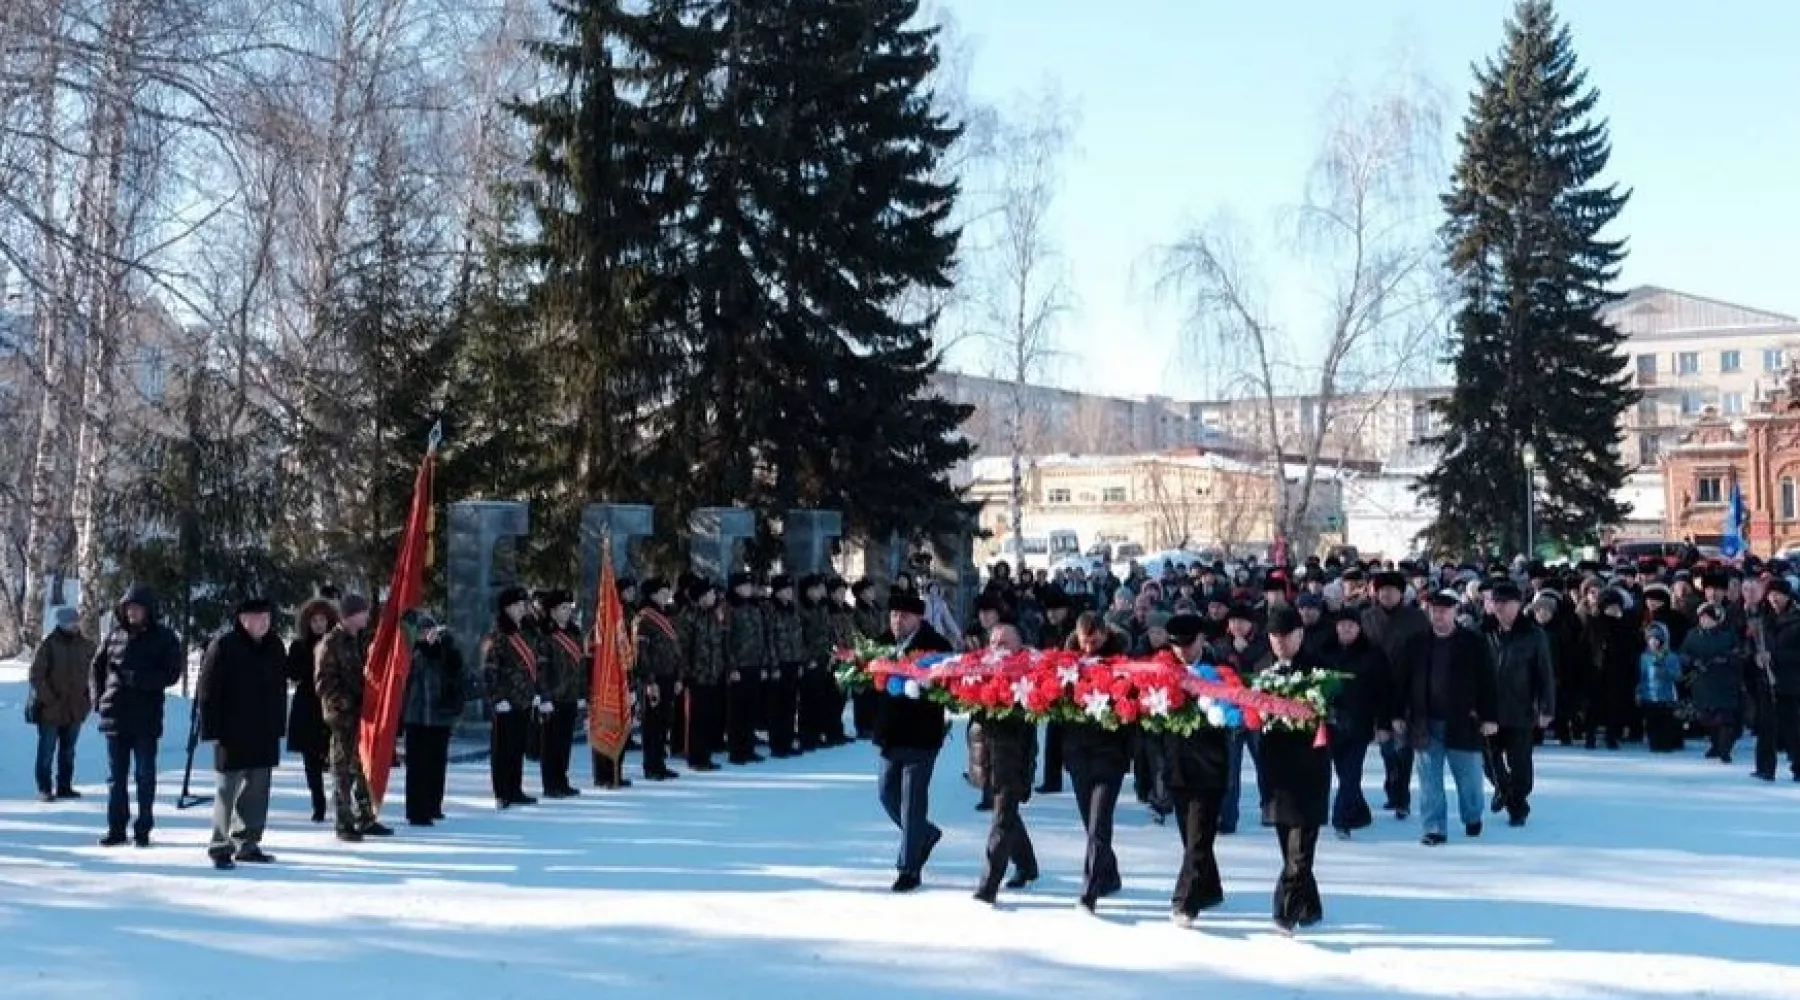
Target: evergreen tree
column 1534, row 364
column 815, row 211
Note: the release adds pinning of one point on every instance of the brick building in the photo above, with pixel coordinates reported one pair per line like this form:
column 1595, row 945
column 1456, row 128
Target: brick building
column 1758, row 452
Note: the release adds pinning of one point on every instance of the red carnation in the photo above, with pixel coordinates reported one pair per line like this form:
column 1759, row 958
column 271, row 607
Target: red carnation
column 1126, row 709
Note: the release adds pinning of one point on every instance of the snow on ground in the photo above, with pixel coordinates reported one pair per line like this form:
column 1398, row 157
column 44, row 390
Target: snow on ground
column 1638, row 877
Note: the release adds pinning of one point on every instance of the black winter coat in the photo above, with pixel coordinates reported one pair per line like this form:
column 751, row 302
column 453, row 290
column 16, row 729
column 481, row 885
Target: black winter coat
column 306, row 732
column 1615, row 644
column 243, row 700
column 133, row 671
column 1524, row 673
column 912, row 723
column 1003, row 755
column 1469, row 698
column 1199, row 763
column 1364, row 704
column 1782, row 635
column 1092, row 750
column 1295, row 770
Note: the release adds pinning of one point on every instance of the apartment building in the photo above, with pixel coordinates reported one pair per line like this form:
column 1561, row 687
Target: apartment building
column 1689, row 353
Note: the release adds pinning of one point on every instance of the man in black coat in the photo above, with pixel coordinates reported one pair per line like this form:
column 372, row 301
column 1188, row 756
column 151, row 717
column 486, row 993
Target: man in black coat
column 1002, row 759
column 910, row 732
column 1053, row 636
column 1390, row 623
column 1525, row 699
column 243, row 713
column 1199, row 774
column 132, row 671
column 1296, row 778
column 1446, row 709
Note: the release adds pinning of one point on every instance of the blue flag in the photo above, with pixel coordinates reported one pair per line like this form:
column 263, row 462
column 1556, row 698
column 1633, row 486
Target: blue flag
column 1731, row 543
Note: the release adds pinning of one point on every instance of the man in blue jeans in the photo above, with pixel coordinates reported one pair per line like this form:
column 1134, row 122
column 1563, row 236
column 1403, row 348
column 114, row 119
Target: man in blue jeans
column 910, row 732
column 136, row 664
column 1446, row 708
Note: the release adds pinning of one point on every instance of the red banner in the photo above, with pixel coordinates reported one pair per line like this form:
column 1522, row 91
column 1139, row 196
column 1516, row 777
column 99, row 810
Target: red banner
column 390, row 654
column 609, row 722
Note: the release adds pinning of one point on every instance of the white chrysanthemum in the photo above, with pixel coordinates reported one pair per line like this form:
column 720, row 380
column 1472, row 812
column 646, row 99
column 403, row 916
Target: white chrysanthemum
column 971, row 681
column 912, row 689
column 1207, row 704
column 1156, row 701
column 1097, row 703
column 1215, row 717
column 1068, row 675
column 1021, row 690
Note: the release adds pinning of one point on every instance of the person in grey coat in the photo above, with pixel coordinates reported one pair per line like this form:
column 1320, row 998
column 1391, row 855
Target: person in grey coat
column 1711, row 655
column 1525, row 699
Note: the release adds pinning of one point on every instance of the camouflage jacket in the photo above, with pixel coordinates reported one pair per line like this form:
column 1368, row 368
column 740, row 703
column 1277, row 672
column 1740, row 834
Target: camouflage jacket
column 703, row 644
column 787, row 636
column 746, row 639
column 658, row 646
column 871, row 623
column 509, row 668
column 565, row 662
column 815, row 632
column 338, row 675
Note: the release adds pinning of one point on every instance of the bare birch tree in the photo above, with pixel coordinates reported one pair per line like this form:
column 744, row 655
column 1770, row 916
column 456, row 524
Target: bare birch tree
column 1022, row 275
column 1364, row 230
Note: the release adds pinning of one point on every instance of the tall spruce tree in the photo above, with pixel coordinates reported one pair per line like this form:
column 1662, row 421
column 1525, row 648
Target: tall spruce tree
column 1534, row 364
column 814, row 211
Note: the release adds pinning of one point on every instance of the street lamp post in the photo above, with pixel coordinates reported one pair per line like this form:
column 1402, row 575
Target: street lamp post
column 1529, row 455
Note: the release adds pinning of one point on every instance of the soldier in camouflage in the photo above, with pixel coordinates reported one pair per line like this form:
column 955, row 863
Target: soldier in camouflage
column 747, row 660
column 509, row 666
column 338, row 677
column 817, row 688
column 659, row 674
column 702, row 629
column 787, row 648
column 565, row 686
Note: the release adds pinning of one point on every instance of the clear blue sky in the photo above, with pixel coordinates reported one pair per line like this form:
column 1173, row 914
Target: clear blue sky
column 1187, row 106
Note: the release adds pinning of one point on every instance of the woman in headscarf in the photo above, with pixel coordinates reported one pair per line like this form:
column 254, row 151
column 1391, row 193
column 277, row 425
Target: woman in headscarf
column 306, row 733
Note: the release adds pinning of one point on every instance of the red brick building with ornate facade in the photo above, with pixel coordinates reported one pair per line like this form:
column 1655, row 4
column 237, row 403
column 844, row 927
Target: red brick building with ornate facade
column 1759, row 452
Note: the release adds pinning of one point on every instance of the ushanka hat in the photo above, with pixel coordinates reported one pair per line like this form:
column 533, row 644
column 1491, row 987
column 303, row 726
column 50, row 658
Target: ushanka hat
column 906, row 602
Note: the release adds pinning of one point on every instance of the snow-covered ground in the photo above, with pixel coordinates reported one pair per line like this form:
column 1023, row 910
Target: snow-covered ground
column 1638, row 877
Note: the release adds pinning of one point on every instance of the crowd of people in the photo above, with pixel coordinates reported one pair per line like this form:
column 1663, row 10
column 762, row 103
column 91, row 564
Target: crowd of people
column 1458, row 667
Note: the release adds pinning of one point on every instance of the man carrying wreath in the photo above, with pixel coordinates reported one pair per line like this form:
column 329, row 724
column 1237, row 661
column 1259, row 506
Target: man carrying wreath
column 910, row 732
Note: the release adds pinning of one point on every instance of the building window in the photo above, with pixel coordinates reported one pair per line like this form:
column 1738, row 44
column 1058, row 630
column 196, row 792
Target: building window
column 1647, row 412
column 1774, row 359
column 1731, row 403
column 1646, row 365
column 1649, row 449
column 1687, row 363
column 1708, row 490
column 1730, row 362
column 1059, row 496
column 1787, row 498
column 1690, row 403
column 1113, row 494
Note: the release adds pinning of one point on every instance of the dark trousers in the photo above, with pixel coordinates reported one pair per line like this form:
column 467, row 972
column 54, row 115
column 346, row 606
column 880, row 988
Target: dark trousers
column 127, row 755
column 1509, row 766
column 508, row 763
column 314, row 766
column 704, row 714
column 1297, row 902
column 905, row 789
column 1096, row 799
column 427, row 765
column 658, row 701
column 1150, row 776
column 56, row 744
column 1722, row 730
column 1349, row 807
column 1778, row 731
column 1396, row 784
column 740, row 716
column 1008, row 843
column 1053, row 759
column 556, row 732
column 781, row 695
column 1197, row 817
column 1662, row 730
column 1242, row 741
column 862, row 713
column 678, row 724
column 818, row 700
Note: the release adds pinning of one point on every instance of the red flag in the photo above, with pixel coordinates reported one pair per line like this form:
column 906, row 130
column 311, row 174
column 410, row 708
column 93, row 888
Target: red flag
column 609, row 723
column 390, row 654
